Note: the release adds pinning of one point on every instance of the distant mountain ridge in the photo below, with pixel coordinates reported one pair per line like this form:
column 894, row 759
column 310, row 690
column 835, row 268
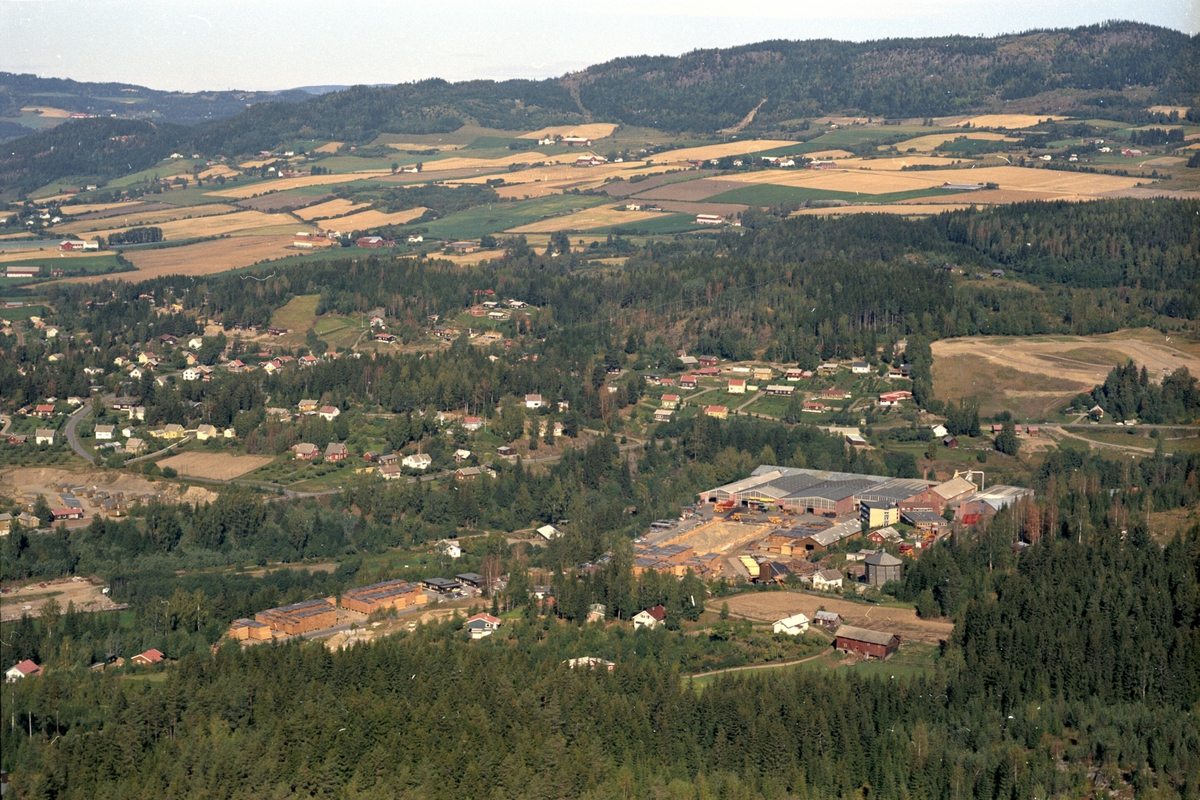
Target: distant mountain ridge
column 1113, row 70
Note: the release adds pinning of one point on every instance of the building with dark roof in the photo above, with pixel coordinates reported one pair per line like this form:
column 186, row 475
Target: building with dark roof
column 875, row 644
column 883, row 567
column 297, row 618
column 386, row 595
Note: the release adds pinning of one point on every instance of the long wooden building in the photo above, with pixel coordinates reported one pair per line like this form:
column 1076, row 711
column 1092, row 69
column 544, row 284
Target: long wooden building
column 310, row 615
column 389, row 594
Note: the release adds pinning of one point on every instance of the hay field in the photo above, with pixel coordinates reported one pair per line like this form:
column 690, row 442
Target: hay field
column 371, row 218
column 926, row 144
column 215, row 466
column 88, row 208
column 562, row 174
column 283, row 184
column 905, row 209
column 47, row 111
column 218, row 225
column 330, row 208
column 999, row 120
column 218, row 170
column 708, row 151
column 592, row 130
column 418, row 146
column 463, row 162
column 29, row 254
column 1181, row 110
column 470, row 259
column 598, row 217
column 896, row 163
column 202, row 258
column 771, row 606
column 149, row 217
column 329, row 147
column 828, row 154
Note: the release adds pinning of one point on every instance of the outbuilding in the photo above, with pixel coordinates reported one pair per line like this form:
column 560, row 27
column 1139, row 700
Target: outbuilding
column 874, row 644
column 883, row 567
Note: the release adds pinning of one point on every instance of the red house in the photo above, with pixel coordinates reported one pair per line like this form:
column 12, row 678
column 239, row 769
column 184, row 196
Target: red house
column 147, row 658
column 874, row 644
column 335, row 452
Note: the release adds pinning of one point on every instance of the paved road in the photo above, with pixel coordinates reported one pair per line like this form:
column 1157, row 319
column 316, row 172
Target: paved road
column 7, row 422
column 72, row 421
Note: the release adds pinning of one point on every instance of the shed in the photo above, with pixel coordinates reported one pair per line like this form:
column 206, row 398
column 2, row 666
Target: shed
column 874, row 644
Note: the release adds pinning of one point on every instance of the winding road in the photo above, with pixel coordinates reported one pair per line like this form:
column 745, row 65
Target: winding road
column 69, row 431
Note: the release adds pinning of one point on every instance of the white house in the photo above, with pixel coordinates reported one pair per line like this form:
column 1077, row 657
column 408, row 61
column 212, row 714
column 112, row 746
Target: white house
column 43, row 436
column 195, row 343
column 482, row 625
column 20, row 670
column 549, row 532
column 533, row 401
column 792, row 626
column 827, row 580
column 650, row 618
column 206, row 432
column 451, row 548
column 105, row 432
column 192, row 374
column 328, row 413
column 419, row 461
column 860, row 368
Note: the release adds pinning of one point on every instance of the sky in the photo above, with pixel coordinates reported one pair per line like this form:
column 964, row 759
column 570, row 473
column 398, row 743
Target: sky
column 190, row 45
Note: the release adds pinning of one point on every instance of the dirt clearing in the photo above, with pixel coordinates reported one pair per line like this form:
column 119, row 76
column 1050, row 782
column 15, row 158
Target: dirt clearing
column 1036, row 374
column 771, row 606
column 215, row 466
column 720, row 537
column 84, row 593
column 40, row 480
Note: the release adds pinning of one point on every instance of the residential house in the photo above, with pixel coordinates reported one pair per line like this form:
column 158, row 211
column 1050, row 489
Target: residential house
column 482, row 625
column 663, row 415
column 307, row 406
column 472, row 423
column 687, row 382
column 827, row 580
column 20, row 670
column 670, row 401
column 533, row 401
column 148, row 658
column 206, row 432
column 549, row 532
column 329, row 413
column 649, row 618
column 737, row 386
column 43, row 436
column 305, row 451
column 43, row 411
column 134, row 445
column 105, row 432
column 171, row 431
column 719, row 412
column 335, row 452
column 793, row 625
column 421, row 461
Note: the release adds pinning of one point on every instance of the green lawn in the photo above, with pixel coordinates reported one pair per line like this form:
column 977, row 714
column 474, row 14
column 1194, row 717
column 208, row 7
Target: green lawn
column 498, row 217
column 24, row 312
column 662, row 225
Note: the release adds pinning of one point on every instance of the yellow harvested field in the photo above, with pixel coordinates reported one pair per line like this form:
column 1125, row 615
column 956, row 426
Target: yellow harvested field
column 88, row 208
column 147, row 218
column 598, row 217
column 217, row 171
column 1004, row 120
column 1180, row 110
column 592, row 130
column 470, row 259
column 215, row 466
column 566, row 173
column 417, row 146
column 1068, row 185
column 372, row 218
column 925, row 144
column 329, row 147
column 902, row 209
column 283, row 184
column 8, row 256
column 202, row 258
column 218, row 225
column 330, row 208
column 821, row 155
column 459, row 162
column 255, row 163
column 720, row 150
column 47, row 111
column 896, row 163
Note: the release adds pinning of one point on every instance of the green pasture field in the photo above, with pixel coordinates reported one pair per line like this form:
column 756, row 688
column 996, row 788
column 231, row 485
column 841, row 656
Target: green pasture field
column 665, row 224
column 297, row 316
column 766, row 194
column 170, row 166
column 498, row 217
column 22, row 313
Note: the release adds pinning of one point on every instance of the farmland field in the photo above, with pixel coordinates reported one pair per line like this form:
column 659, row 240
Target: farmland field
column 588, row 219
column 215, row 466
column 1001, row 120
column 297, row 316
column 157, row 217
column 592, row 130
column 371, row 218
column 202, row 258
column 503, row 216
column 926, row 144
column 216, row 225
column 662, row 224
column 771, row 194
column 770, row 606
column 284, row 184
column 330, row 208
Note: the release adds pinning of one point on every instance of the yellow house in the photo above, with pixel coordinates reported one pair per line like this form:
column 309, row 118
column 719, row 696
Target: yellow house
column 171, row 431
column 876, row 515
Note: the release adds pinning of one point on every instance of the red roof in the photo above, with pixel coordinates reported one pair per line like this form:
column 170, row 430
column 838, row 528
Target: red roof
column 658, row 612
column 27, row 668
column 152, row 655
column 488, row 618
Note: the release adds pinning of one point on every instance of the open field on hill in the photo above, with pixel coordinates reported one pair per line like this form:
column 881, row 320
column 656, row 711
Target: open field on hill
column 821, row 155
column 371, row 218
column 328, row 147
column 216, row 225
column 419, row 146
column 47, row 111
column 592, row 130
column 926, row 144
column 895, row 163
column 1035, row 375
column 708, row 151
column 123, row 209
column 297, row 315
column 215, row 466
column 155, row 216
column 997, row 120
column 690, row 191
column 284, row 184
column 82, row 593
column 585, row 220
column 89, row 208
column 330, row 208
column 494, row 217
column 908, row 208
column 32, row 255
column 282, row 201
column 202, row 258
column 771, row 606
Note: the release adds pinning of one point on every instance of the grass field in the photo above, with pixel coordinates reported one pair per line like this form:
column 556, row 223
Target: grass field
column 768, row 194
column 588, row 219
column 330, row 208
column 297, row 316
column 215, row 466
column 662, row 224
column 157, row 217
column 495, row 217
column 372, row 218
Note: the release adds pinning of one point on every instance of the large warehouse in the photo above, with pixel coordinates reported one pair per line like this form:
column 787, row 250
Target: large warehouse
column 812, row 491
column 377, row 596
column 303, row 617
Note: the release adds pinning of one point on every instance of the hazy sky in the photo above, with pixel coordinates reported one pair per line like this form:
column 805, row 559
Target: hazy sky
column 272, row 44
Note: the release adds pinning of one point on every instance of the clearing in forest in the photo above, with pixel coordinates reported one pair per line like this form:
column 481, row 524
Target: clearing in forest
column 771, row 606
column 214, row 466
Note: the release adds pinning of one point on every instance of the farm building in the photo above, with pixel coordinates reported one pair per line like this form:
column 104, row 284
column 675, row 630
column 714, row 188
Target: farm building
column 779, row 390
column 792, row 626
column 937, row 498
column 875, row 644
column 22, row 272
column 883, row 567
column 373, row 241
column 243, row 629
column 388, row 594
column 297, row 618
column 709, row 219
column 830, row 620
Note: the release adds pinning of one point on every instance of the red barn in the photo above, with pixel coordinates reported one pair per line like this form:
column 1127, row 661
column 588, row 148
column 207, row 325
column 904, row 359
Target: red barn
column 875, row 644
